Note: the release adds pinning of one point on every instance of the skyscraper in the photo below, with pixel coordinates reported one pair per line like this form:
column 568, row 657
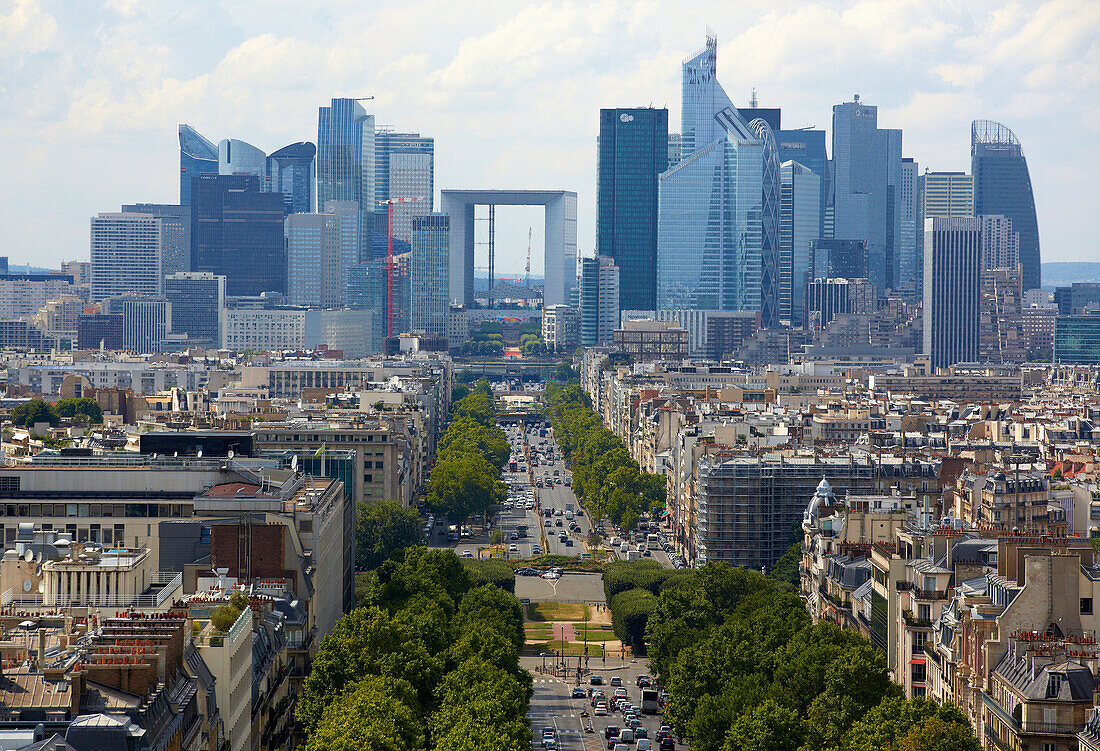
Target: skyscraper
column 599, row 300
column 799, row 225
column 176, row 250
column 237, row 232
column 345, row 154
column 197, row 302
column 127, row 255
column 429, row 266
column 910, row 268
column 633, row 152
column 1002, row 186
column 944, row 194
column 842, row 259
column 806, row 146
column 952, row 290
column 769, row 221
column 702, row 263
column 236, row 157
column 145, row 322
column 321, row 249
column 866, row 182
column 292, row 171
column 198, row 156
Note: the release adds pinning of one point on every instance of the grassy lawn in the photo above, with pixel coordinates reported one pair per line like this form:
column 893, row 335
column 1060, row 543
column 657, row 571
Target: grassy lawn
column 556, row 611
column 574, row 648
column 597, row 634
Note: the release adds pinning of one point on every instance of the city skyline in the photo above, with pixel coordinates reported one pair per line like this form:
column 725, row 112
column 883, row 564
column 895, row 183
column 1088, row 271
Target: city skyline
column 994, row 61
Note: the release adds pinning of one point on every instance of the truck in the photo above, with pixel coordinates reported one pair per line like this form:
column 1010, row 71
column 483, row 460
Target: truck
column 651, row 701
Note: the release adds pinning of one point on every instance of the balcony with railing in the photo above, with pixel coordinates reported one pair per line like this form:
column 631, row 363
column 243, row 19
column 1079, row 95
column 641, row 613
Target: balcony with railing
column 163, row 586
column 921, row 594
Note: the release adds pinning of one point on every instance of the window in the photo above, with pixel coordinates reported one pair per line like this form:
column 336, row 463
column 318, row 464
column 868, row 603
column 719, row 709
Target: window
column 918, row 673
column 924, row 612
column 1086, row 606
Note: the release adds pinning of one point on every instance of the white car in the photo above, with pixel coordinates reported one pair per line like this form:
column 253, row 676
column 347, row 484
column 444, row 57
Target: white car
column 551, row 575
column 512, row 548
column 467, row 554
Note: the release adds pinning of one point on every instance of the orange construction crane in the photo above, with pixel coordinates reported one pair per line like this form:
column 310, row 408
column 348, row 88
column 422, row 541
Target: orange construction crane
column 388, row 203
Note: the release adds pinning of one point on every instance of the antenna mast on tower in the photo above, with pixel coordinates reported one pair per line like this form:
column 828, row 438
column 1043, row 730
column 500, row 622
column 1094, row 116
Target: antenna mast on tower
column 528, row 258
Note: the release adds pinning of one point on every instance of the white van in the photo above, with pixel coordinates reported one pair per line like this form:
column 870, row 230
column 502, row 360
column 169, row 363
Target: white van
column 625, row 547
column 614, row 542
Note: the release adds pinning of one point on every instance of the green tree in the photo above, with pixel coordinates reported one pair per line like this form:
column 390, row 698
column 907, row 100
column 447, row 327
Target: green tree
column 25, row 415
column 937, row 734
column 886, row 726
column 224, row 616
column 785, row 570
column 84, row 406
column 372, row 714
column 463, row 483
column 769, row 727
column 629, row 615
column 366, row 642
column 384, row 529
column 459, row 391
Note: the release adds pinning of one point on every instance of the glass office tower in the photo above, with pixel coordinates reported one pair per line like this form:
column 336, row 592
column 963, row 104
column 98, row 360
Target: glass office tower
column 1002, row 186
column 633, row 152
column 237, row 232
column 198, row 156
column 709, row 231
column 291, row 171
column 769, row 222
column 866, row 181
column 345, row 154
column 429, row 267
column 799, row 224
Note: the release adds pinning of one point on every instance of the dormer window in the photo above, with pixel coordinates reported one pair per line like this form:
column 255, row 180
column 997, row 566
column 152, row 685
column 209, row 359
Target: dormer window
column 1054, row 685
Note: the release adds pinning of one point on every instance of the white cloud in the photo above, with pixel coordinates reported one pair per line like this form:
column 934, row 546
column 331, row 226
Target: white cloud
column 89, row 98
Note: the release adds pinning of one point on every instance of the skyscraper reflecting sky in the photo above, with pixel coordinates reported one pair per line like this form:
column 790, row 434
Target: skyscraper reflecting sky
column 345, row 154
column 198, row 156
column 1002, row 185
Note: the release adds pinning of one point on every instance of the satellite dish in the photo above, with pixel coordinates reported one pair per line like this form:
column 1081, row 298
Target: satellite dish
column 294, row 463
column 27, row 584
column 41, row 587
column 38, row 572
column 28, row 556
column 38, row 557
column 199, row 455
column 232, row 453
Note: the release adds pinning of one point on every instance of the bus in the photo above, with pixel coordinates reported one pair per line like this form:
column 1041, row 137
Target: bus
column 651, row 701
column 653, row 542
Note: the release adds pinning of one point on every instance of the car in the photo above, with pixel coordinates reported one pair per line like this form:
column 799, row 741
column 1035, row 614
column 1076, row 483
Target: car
column 513, row 536
column 611, row 731
column 563, row 538
column 641, row 732
column 597, row 696
column 642, row 680
column 626, row 735
column 557, row 523
column 644, row 744
column 595, row 680
column 667, row 744
column 536, row 549
column 612, row 742
column 549, row 742
column 549, row 731
column 549, row 523
column 568, row 542
column 467, row 554
column 620, row 693
column 621, row 747
column 579, row 693
column 513, row 548
column 550, row 575
column 600, row 710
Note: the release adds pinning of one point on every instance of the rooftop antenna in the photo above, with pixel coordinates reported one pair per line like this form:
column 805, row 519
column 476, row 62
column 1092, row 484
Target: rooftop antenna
column 752, row 98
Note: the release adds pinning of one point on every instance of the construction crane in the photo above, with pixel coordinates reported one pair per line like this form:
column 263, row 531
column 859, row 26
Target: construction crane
column 528, row 258
column 388, row 203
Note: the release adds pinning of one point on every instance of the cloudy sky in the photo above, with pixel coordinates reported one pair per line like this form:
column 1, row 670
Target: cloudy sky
column 90, row 95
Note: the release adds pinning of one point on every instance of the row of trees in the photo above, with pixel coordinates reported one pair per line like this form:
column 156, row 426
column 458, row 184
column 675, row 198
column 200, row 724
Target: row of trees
column 472, row 453
column 747, row 671
column 429, row 661
column 605, row 477
column 81, row 410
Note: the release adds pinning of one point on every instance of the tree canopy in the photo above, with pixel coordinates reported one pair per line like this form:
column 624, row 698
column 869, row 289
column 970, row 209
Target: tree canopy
column 383, row 529
column 746, row 669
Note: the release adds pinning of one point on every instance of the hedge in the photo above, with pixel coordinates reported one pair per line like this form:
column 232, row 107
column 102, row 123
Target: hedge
column 491, row 571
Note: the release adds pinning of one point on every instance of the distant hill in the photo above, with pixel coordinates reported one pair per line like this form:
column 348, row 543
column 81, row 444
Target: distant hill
column 1061, row 273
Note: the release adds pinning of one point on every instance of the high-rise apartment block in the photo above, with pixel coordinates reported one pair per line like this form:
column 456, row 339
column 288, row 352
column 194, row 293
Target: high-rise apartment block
column 1002, row 186
column 952, row 290
column 197, row 302
column 429, row 265
column 866, row 187
column 799, row 226
column 127, row 254
column 237, row 232
column 599, row 300
column 561, row 329
column 633, row 152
